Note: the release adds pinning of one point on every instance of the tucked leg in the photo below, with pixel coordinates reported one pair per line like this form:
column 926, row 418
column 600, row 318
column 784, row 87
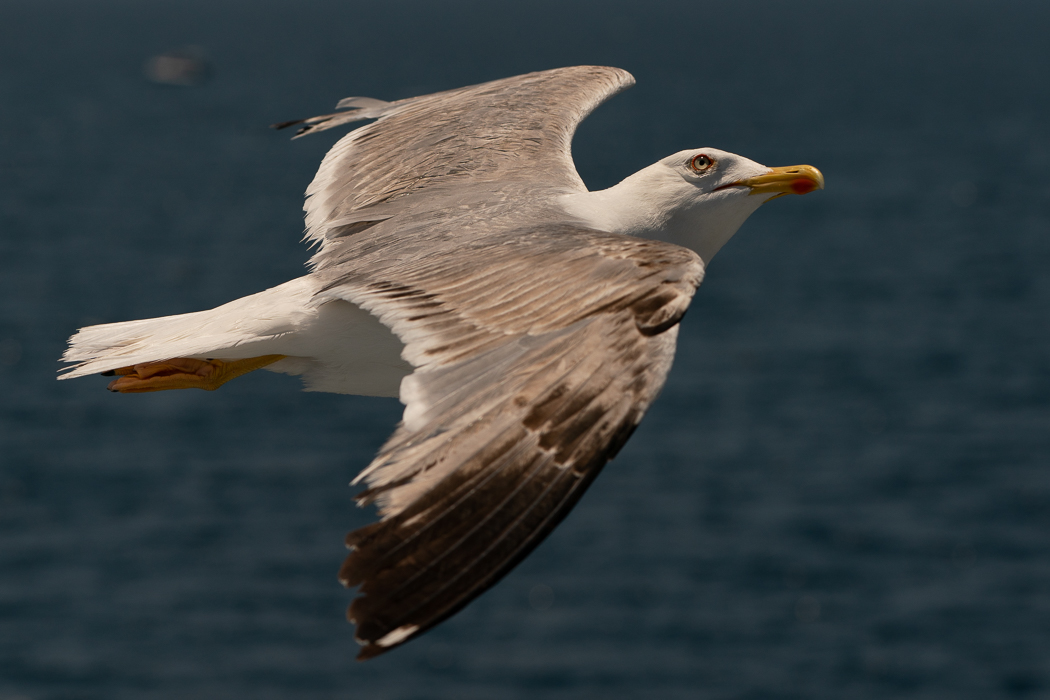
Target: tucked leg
column 184, row 373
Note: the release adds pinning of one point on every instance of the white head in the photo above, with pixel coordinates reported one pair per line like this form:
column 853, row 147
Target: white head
column 696, row 198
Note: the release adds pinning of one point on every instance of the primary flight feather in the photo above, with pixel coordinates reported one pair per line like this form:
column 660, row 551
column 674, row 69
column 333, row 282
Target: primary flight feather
column 463, row 266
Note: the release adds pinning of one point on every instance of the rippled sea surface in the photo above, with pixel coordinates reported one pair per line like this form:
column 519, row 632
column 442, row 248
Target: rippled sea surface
column 842, row 493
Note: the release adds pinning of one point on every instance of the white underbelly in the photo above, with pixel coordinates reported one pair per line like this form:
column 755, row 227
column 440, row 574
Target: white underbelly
column 336, row 347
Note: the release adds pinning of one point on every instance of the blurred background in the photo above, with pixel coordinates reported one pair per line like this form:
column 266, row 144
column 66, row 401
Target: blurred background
column 842, row 493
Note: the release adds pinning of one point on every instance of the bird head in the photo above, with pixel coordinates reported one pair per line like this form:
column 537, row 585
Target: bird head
column 706, row 194
column 696, row 198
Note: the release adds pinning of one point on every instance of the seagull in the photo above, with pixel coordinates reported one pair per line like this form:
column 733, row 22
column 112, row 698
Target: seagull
column 462, row 266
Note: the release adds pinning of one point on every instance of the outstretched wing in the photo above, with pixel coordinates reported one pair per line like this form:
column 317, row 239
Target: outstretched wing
column 499, row 137
column 536, row 356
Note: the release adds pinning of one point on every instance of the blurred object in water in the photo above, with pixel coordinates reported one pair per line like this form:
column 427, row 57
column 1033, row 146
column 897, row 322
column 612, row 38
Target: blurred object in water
column 185, row 67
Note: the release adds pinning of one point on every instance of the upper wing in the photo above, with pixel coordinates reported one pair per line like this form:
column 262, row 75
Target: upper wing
column 502, row 135
column 535, row 359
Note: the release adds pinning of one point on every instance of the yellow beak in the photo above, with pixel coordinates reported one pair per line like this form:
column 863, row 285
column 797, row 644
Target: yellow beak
column 790, row 179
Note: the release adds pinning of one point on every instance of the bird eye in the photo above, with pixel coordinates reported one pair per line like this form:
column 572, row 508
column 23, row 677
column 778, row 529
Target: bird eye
column 700, row 163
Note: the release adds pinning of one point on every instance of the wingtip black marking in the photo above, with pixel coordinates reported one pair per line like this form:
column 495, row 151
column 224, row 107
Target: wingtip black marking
column 285, row 125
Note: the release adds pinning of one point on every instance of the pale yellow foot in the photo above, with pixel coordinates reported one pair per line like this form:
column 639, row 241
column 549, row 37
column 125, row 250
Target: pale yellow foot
column 184, row 373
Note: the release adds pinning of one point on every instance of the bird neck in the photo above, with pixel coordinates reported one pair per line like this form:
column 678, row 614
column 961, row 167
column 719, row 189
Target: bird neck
column 657, row 203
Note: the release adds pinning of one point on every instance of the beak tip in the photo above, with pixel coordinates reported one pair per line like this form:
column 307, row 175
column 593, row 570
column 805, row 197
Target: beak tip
column 792, row 179
column 813, row 181
column 805, row 186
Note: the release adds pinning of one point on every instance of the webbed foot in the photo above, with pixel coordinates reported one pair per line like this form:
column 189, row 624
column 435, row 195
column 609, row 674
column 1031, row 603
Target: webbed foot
column 184, row 373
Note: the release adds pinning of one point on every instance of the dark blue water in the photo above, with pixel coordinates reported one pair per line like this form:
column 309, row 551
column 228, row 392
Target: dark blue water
column 842, row 493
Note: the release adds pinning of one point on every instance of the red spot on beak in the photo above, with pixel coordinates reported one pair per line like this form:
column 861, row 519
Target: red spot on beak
column 803, row 186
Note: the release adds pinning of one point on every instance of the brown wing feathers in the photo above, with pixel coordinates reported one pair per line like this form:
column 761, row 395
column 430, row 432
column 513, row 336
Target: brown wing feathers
column 511, row 437
column 507, row 132
column 422, row 565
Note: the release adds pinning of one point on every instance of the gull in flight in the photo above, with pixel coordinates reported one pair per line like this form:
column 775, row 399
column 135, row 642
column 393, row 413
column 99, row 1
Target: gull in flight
column 463, row 266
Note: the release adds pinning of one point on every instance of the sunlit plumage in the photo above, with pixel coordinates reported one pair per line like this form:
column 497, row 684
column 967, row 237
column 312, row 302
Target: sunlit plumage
column 462, row 265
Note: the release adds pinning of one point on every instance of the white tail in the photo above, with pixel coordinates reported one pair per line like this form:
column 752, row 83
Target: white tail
column 334, row 345
column 236, row 330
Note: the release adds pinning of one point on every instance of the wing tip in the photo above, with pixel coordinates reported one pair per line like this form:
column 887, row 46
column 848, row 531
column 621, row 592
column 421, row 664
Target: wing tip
column 375, row 646
column 370, row 651
column 355, row 109
column 301, row 131
column 284, row 125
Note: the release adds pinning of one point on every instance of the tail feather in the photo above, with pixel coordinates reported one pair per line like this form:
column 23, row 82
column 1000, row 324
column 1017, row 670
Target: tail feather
column 241, row 328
